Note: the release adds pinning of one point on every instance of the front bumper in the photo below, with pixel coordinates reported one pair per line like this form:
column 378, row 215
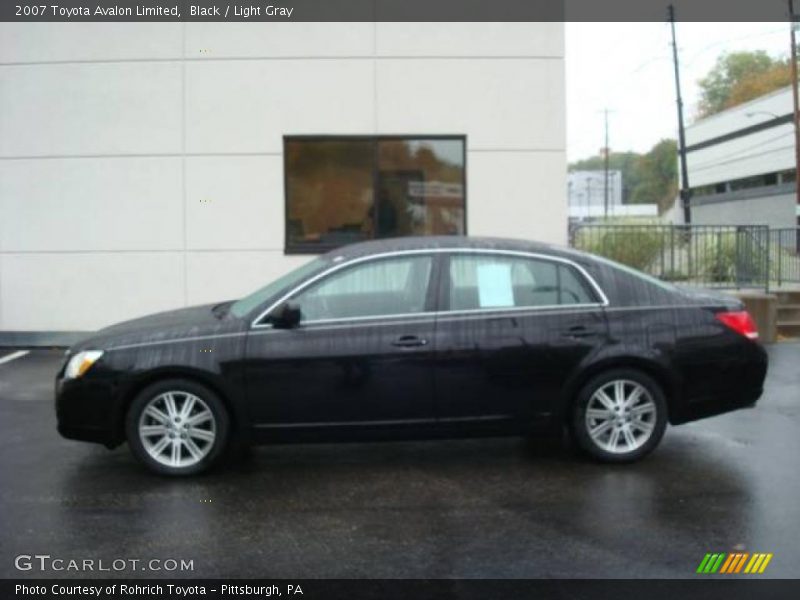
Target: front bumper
column 87, row 409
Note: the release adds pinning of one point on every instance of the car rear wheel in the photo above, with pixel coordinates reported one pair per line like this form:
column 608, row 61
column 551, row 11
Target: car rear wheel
column 619, row 416
column 177, row 427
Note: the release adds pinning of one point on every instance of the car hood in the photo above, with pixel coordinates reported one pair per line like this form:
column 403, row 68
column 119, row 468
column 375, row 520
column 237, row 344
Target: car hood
column 193, row 321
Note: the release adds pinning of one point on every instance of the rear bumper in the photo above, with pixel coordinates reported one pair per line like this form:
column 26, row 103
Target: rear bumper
column 739, row 387
column 701, row 408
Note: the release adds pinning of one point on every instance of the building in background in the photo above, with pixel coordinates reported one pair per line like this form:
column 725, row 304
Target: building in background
column 149, row 166
column 586, row 197
column 741, row 165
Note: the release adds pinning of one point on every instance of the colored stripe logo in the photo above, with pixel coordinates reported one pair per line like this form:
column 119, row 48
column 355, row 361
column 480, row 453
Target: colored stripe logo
column 733, row 563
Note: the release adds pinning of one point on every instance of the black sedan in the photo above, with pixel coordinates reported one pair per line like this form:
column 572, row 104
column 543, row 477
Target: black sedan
column 417, row 338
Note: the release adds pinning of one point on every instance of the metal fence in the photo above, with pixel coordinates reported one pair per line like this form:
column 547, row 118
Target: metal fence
column 785, row 255
column 723, row 256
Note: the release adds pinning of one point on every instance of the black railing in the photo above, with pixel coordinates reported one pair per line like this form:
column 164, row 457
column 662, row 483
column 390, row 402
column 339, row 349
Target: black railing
column 724, row 256
column 785, row 255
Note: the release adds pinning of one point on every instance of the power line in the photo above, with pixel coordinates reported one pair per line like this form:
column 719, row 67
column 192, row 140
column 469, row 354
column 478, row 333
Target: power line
column 738, row 152
column 712, row 45
column 667, row 56
column 594, row 94
column 741, row 158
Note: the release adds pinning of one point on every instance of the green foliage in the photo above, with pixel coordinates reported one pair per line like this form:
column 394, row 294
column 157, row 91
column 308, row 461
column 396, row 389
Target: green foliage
column 617, row 161
column 658, row 176
column 721, row 258
column 741, row 76
column 717, row 256
column 637, row 247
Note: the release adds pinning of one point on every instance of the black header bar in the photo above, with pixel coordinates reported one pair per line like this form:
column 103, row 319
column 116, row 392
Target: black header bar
column 389, row 10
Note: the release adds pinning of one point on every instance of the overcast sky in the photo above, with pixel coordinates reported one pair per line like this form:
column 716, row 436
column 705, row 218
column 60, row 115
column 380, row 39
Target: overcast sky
column 627, row 67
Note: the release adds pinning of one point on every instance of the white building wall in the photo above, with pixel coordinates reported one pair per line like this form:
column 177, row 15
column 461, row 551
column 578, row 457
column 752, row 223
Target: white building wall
column 765, row 151
column 141, row 165
column 776, row 211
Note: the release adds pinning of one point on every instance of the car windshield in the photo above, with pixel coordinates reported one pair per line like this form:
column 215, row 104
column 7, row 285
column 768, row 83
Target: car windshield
column 242, row 307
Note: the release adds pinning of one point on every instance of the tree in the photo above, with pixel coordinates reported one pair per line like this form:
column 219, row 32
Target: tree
column 758, row 84
column 658, row 176
column 617, row 161
column 741, row 76
column 650, row 178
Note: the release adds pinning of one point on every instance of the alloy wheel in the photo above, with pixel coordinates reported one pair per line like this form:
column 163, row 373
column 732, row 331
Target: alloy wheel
column 177, row 429
column 621, row 416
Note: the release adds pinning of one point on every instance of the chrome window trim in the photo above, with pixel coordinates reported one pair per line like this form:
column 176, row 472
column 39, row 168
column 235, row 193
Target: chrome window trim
column 254, row 324
column 597, row 289
column 349, row 324
column 389, row 320
column 421, row 318
column 660, row 307
column 547, row 308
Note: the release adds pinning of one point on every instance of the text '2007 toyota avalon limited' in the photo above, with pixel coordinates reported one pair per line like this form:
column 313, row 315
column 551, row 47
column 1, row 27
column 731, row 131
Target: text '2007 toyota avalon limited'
column 417, row 338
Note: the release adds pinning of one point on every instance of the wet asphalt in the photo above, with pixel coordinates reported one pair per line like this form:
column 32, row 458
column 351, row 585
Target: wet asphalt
column 469, row 508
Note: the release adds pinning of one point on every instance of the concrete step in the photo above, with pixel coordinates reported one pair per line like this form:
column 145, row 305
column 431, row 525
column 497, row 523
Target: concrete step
column 788, row 329
column 788, row 296
column 788, row 312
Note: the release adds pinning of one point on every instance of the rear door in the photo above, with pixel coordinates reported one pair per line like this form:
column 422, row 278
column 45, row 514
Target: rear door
column 512, row 328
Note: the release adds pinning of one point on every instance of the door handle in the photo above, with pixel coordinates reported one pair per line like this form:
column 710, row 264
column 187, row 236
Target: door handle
column 578, row 332
column 409, row 341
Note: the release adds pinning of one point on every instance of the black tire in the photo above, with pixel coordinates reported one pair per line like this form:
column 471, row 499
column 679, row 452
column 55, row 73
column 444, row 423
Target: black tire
column 217, row 424
column 599, row 449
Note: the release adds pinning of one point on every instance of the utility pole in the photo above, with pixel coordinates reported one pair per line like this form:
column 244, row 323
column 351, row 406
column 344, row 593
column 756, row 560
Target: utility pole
column 588, row 196
column 793, row 22
column 606, row 152
column 611, row 195
column 685, row 192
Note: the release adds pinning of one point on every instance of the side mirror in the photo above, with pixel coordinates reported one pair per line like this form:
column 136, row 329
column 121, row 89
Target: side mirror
column 285, row 316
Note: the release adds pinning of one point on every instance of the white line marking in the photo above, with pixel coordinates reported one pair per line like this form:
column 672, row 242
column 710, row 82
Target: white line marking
column 13, row 356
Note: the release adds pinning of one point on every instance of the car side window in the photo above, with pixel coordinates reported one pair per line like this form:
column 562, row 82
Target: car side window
column 375, row 288
column 573, row 287
column 497, row 281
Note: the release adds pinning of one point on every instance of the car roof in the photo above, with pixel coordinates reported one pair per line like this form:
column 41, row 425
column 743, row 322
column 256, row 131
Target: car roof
column 447, row 242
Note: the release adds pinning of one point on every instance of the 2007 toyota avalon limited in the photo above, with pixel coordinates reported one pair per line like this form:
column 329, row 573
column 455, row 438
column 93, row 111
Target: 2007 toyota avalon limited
column 412, row 338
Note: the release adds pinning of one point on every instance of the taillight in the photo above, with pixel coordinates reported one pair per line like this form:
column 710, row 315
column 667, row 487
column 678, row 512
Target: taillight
column 739, row 321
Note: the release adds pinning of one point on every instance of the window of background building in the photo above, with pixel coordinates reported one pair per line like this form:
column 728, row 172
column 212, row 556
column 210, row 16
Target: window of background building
column 341, row 190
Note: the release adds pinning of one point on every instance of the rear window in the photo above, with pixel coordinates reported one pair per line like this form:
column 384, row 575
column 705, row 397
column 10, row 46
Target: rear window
column 625, row 286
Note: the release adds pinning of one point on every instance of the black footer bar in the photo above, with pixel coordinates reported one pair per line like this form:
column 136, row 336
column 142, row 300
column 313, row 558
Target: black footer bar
column 706, row 588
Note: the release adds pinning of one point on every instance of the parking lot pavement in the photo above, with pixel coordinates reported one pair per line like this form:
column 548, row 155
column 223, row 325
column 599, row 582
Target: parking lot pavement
column 475, row 508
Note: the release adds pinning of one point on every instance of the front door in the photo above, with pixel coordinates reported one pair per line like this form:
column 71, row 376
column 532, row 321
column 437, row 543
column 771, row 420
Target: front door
column 360, row 357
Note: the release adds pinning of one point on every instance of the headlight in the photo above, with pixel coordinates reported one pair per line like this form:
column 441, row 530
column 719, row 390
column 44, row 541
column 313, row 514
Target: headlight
column 81, row 362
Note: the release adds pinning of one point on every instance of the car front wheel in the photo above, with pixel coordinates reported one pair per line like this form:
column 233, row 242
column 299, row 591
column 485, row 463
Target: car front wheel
column 619, row 416
column 177, row 427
